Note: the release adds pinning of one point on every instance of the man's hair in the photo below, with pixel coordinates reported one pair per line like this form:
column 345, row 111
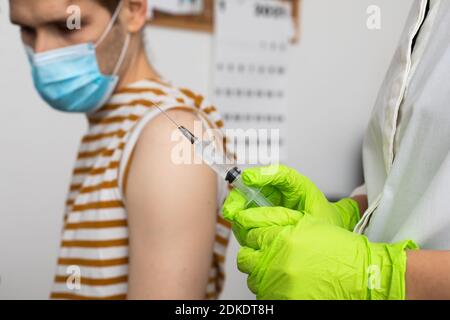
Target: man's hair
column 111, row 5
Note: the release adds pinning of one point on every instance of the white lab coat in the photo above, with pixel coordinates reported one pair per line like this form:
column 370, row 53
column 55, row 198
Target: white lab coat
column 406, row 148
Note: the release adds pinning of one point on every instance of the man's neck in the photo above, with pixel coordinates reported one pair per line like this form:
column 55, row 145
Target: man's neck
column 138, row 69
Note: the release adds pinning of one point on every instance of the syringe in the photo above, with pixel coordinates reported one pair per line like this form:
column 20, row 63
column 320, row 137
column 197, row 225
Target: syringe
column 230, row 173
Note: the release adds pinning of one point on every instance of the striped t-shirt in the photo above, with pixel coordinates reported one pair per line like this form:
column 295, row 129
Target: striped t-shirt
column 93, row 258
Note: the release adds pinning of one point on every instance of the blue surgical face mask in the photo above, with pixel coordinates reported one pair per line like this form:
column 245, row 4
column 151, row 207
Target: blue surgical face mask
column 69, row 79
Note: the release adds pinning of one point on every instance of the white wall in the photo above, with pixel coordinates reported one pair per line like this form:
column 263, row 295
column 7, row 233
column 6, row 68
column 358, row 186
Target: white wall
column 336, row 71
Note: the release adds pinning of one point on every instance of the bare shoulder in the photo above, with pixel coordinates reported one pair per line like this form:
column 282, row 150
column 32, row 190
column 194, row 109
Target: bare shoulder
column 156, row 155
column 161, row 128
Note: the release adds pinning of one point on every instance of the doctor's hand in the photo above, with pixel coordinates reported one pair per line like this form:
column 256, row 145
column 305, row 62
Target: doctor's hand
column 297, row 192
column 292, row 255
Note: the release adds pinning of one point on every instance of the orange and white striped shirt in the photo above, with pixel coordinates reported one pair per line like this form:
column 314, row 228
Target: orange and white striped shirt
column 93, row 258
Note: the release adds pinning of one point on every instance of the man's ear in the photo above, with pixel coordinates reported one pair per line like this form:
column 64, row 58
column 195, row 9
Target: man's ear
column 136, row 16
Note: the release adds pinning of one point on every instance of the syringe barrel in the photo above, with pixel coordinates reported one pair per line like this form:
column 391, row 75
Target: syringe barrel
column 251, row 194
column 231, row 174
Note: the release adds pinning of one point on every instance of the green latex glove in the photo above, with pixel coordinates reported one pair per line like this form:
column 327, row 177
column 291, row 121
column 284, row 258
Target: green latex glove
column 292, row 255
column 299, row 193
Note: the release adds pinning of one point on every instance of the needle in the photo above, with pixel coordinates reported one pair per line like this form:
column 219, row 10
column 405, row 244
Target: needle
column 167, row 116
column 186, row 133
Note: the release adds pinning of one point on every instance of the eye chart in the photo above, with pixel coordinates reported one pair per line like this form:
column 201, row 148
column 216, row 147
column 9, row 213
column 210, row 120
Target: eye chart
column 250, row 67
column 176, row 6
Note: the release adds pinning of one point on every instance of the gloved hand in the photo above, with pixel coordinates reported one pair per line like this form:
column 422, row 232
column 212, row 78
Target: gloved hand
column 292, row 255
column 299, row 193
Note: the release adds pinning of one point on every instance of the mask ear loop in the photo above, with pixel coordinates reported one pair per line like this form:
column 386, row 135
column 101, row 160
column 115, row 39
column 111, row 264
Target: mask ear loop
column 122, row 54
column 106, row 32
column 110, row 25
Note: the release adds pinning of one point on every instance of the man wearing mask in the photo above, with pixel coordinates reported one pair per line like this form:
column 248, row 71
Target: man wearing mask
column 122, row 227
column 309, row 248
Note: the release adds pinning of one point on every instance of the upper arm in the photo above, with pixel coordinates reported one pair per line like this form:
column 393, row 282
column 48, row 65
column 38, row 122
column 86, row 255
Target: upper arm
column 172, row 214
